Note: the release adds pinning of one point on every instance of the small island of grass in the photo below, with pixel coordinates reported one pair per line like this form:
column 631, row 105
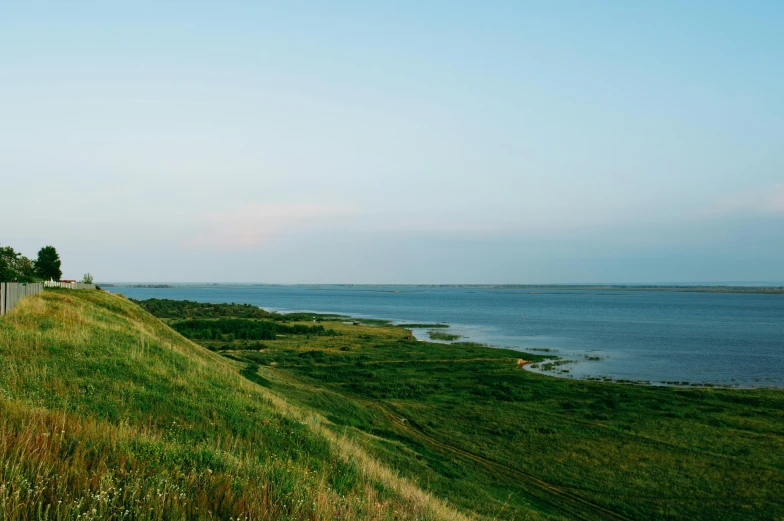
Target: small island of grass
column 440, row 335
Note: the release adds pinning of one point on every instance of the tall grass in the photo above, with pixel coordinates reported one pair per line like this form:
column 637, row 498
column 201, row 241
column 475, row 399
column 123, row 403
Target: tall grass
column 106, row 413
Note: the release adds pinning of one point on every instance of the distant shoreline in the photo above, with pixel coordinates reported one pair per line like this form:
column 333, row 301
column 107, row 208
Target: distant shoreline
column 696, row 288
column 155, row 286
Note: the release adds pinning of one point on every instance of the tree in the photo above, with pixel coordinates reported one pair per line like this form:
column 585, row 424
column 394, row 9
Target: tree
column 7, row 263
column 15, row 267
column 87, row 279
column 25, row 269
column 48, row 263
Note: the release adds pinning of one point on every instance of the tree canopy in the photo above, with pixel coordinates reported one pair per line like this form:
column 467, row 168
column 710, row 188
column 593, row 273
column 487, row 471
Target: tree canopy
column 48, row 263
column 16, row 267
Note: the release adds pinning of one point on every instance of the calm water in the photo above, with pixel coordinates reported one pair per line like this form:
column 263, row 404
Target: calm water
column 719, row 338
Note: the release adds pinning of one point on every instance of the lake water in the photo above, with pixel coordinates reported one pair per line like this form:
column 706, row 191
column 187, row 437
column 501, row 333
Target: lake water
column 716, row 338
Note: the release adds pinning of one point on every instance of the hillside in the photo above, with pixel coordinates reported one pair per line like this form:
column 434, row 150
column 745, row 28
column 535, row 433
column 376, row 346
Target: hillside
column 106, row 413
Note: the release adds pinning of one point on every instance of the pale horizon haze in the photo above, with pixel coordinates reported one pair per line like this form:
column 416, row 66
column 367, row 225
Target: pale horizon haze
column 396, row 142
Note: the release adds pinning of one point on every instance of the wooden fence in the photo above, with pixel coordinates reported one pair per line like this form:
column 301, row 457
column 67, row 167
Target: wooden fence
column 68, row 285
column 12, row 292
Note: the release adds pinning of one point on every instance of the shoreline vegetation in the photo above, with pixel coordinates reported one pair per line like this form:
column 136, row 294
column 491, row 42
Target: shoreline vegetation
column 504, row 443
column 686, row 288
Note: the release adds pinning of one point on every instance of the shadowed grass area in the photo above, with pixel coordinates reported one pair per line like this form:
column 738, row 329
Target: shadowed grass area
column 106, row 413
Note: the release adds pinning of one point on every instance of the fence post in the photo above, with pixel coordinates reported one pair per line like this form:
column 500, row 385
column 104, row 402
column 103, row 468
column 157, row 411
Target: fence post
column 2, row 299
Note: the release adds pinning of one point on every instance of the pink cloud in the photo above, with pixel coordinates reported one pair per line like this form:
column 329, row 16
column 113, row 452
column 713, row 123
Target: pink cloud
column 760, row 202
column 251, row 225
column 776, row 200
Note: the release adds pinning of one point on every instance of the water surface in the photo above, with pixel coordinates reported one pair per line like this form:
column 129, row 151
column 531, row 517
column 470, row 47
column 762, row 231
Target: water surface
column 716, row 338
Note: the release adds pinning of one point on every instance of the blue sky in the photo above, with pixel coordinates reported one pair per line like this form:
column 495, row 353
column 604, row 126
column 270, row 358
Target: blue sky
column 397, row 142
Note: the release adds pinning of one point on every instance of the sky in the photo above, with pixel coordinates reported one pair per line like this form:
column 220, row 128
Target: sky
column 395, row 142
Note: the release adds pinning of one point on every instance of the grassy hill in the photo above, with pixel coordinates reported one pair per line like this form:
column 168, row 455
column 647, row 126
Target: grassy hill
column 106, row 413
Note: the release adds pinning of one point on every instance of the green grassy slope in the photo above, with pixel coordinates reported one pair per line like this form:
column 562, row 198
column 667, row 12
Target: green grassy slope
column 106, row 413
